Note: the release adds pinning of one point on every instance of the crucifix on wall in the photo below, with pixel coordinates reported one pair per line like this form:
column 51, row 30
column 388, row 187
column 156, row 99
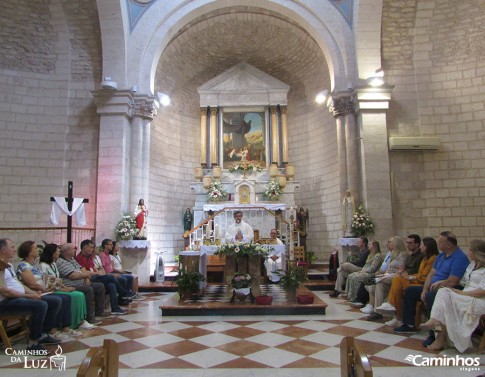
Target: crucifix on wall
column 70, row 206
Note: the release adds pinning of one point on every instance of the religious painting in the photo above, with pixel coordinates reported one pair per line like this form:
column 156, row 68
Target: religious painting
column 244, row 138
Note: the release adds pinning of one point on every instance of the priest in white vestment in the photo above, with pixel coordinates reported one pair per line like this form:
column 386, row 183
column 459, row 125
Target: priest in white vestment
column 240, row 231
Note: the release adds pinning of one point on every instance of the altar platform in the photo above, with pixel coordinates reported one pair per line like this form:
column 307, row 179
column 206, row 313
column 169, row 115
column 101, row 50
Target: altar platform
column 216, row 301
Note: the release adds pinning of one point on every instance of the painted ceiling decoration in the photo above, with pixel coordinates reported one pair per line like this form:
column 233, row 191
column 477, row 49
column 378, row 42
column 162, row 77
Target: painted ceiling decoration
column 136, row 8
column 346, row 9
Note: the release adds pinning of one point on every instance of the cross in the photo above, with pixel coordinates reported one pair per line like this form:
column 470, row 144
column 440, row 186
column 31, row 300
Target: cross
column 69, row 201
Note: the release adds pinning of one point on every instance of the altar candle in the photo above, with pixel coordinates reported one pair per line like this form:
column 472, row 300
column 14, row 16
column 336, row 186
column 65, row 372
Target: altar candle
column 216, row 232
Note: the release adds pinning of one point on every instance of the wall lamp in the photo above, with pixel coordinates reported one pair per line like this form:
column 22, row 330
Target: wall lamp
column 163, row 98
column 377, row 79
column 108, row 84
column 321, row 96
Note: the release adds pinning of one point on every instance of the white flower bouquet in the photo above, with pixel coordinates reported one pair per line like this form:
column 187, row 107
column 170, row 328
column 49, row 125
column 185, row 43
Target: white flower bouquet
column 126, row 228
column 272, row 191
column 361, row 223
column 216, row 193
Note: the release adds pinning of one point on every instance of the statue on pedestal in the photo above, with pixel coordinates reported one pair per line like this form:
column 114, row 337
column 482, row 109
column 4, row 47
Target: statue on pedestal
column 187, row 220
column 348, row 210
column 141, row 214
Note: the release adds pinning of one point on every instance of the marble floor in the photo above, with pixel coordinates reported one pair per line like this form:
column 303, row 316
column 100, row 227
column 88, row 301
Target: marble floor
column 269, row 346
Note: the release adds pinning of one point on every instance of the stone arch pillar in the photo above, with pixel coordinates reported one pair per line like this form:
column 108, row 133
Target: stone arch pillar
column 371, row 105
column 123, row 157
column 342, row 108
column 144, row 110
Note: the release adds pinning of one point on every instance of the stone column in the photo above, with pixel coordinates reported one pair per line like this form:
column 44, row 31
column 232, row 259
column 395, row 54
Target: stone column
column 342, row 109
column 203, row 137
column 371, row 106
column 113, row 180
column 213, row 137
column 284, row 134
column 143, row 112
column 275, row 139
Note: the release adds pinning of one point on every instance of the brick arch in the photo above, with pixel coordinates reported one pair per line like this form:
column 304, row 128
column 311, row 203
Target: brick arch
column 324, row 23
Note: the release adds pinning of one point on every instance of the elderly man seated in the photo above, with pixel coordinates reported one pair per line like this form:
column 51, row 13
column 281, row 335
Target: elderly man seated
column 274, row 262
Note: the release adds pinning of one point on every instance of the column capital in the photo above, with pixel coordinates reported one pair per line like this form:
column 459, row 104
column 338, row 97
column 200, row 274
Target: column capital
column 145, row 107
column 341, row 104
column 125, row 103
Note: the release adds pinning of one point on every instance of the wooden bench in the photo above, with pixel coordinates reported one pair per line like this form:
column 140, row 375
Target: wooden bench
column 353, row 359
column 101, row 361
column 18, row 326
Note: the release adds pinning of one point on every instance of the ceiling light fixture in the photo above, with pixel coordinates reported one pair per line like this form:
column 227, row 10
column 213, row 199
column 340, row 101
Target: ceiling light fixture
column 163, row 98
column 377, row 79
column 321, row 96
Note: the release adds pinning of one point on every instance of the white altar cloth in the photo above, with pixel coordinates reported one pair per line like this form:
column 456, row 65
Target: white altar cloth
column 346, row 245
column 221, row 205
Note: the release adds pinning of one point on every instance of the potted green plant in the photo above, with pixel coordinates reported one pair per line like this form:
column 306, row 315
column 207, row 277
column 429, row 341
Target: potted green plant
column 310, row 257
column 291, row 279
column 188, row 284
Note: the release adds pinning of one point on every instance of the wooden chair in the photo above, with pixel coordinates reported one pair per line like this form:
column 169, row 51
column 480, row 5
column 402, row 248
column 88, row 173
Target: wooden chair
column 19, row 323
column 101, row 361
column 353, row 359
column 299, row 254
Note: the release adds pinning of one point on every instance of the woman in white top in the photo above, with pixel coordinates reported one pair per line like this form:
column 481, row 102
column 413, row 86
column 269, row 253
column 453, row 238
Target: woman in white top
column 118, row 268
column 458, row 311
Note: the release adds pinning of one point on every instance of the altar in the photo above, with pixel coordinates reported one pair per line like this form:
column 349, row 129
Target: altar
column 197, row 261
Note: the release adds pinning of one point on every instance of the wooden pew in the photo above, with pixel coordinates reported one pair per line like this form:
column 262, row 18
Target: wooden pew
column 353, row 359
column 101, row 361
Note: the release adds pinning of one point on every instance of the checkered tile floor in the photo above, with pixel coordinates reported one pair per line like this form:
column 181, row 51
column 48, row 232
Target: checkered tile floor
column 243, row 345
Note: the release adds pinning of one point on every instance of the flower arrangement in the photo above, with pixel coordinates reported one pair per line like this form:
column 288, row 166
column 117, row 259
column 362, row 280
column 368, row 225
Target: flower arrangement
column 243, row 168
column 241, row 281
column 241, row 249
column 361, row 223
column 216, row 192
column 272, row 190
column 126, row 228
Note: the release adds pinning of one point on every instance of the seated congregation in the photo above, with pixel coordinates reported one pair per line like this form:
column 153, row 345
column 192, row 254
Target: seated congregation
column 62, row 293
column 439, row 275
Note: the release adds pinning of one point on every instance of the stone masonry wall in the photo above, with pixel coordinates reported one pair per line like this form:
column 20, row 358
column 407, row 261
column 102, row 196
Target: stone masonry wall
column 438, row 93
column 48, row 123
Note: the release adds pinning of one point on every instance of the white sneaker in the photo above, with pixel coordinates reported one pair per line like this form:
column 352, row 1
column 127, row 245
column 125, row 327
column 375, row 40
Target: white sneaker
column 86, row 326
column 393, row 323
column 72, row 333
column 368, row 309
column 60, row 336
column 138, row 297
column 386, row 307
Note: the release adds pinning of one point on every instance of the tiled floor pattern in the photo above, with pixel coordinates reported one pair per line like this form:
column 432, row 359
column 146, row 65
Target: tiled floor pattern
column 242, row 345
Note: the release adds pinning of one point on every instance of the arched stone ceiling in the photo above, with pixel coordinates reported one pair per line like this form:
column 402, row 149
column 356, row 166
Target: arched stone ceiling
column 219, row 40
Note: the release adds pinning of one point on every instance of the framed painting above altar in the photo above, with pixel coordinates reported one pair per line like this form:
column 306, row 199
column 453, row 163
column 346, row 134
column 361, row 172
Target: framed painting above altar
column 244, row 138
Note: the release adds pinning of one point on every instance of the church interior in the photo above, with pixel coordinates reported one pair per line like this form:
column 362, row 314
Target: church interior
column 111, row 101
